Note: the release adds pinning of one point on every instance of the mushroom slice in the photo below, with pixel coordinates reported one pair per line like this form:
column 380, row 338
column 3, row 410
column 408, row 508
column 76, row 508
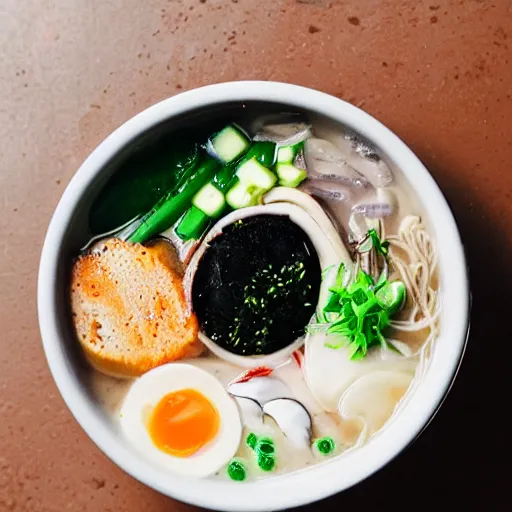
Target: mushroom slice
column 260, row 389
column 250, row 411
column 292, row 418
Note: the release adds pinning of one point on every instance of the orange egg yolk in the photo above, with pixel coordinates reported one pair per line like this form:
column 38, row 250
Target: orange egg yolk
column 183, row 422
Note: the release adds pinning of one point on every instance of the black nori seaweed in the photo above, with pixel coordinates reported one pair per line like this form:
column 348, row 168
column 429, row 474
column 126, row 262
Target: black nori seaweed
column 248, row 259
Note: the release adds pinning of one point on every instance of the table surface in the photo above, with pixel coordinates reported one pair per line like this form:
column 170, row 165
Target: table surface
column 438, row 73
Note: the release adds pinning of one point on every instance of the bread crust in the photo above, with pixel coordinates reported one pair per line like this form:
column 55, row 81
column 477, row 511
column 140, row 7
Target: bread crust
column 129, row 308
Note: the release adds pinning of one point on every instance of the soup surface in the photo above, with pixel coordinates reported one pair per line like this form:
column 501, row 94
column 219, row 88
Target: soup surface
column 256, row 299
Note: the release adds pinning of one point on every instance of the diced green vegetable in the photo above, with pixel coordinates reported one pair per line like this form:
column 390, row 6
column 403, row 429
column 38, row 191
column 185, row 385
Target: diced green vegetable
column 251, row 172
column 287, row 154
column 209, row 200
column 170, row 208
column 193, row 224
column 229, row 144
column 290, row 176
column 241, row 195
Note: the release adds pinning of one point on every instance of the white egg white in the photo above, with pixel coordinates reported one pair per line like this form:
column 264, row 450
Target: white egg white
column 149, row 389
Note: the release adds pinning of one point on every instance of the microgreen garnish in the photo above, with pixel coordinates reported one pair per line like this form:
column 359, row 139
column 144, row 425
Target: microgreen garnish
column 267, row 289
column 358, row 312
column 382, row 247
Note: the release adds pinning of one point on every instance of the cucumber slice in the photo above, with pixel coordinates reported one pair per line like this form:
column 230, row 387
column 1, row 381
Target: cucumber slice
column 229, row 144
column 241, row 195
column 290, row 176
column 285, row 155
column 193, row 224
column 253, row 173
column 210, row 200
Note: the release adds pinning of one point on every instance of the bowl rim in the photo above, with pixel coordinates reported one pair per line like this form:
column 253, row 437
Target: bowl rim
column 337, row 474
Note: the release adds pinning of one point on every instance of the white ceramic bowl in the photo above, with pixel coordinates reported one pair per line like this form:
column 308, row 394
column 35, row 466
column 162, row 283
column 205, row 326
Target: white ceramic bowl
column 67, row 230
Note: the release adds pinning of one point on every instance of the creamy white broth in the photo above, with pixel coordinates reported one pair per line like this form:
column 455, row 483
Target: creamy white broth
column 346, row 432
column 110, row 393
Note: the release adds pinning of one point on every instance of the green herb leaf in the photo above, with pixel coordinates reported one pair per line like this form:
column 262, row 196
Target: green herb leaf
column 382, row 247
column 358, row 314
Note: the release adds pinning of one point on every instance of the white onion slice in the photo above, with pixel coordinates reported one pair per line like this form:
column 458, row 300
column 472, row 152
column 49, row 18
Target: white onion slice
column 373, row 398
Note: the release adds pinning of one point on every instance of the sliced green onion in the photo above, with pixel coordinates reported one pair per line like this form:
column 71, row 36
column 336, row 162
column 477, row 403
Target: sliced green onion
column 266, row 462
column 251, row 440
column 265, row 446
column 391, row 296
column 359, row 312
column 325, row 445
column 237, row 470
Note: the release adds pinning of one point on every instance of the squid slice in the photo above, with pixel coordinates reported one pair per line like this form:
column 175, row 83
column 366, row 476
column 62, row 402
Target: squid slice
column 373, row 210
column 325, row 161
column 324, row 189
column 284, row 134
column 383, row 203
column 362, row 157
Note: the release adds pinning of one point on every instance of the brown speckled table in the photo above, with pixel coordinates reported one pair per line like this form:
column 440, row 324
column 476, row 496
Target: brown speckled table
column 439, row 73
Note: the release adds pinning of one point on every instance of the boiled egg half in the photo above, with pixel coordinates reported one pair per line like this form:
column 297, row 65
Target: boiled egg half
column 181, row 418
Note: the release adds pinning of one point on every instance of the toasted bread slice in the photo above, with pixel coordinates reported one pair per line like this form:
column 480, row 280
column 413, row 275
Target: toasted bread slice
column 129, row 308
